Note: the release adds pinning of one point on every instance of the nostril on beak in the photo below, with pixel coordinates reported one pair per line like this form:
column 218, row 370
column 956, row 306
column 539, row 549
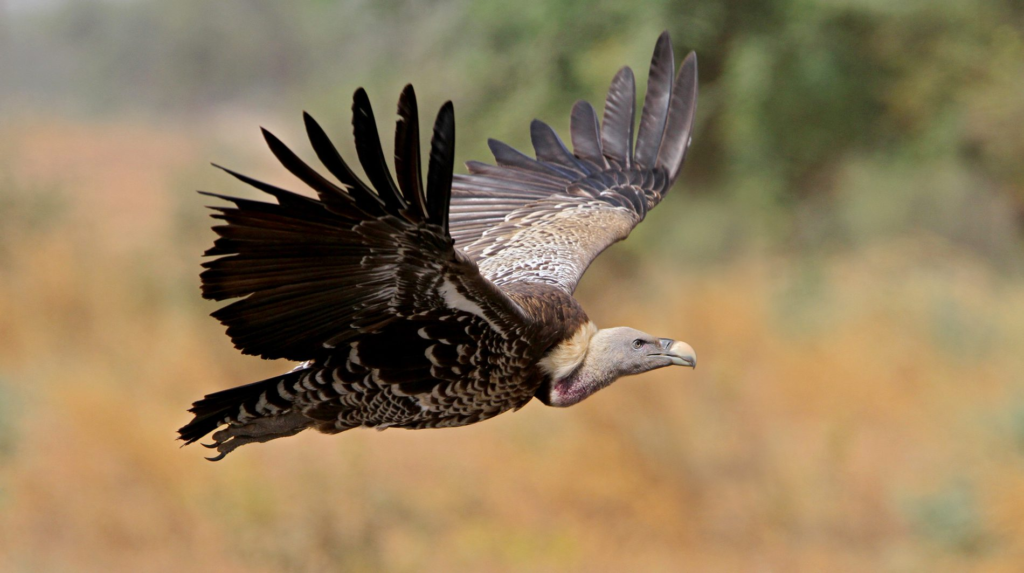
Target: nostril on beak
column 666, row 343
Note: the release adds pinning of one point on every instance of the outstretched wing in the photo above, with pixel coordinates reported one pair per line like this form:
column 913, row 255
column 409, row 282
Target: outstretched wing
column 313, row 274
column 544, row 220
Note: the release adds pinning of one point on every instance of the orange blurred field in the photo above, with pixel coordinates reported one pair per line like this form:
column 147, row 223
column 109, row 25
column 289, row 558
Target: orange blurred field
column 854, row 411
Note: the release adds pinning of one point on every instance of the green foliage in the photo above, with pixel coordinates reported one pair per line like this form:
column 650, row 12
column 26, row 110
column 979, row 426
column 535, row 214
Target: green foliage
column 795, row 93
column 950, row 518
column 9, row 405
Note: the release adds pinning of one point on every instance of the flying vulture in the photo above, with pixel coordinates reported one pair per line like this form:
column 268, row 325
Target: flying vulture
column 413, row 305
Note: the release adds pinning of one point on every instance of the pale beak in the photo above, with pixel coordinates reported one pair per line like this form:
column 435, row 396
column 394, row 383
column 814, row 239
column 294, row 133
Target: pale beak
column 680, row 353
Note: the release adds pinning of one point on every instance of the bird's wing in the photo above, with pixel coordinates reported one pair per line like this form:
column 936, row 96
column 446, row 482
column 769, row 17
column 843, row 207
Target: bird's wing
column 313, row 274
column 544, row 220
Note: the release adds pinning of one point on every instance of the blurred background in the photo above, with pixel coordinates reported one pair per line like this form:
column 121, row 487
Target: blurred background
column 843, row 250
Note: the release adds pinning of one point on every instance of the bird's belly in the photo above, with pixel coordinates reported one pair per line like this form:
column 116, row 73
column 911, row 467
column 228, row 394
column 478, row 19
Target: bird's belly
column 431, row 403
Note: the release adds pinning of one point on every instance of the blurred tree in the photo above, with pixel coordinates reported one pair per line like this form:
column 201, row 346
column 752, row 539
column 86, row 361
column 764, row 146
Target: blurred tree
column 793, row 90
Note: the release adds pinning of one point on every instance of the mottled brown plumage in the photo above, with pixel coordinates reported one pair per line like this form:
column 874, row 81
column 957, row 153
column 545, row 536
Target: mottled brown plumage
column 439, row 305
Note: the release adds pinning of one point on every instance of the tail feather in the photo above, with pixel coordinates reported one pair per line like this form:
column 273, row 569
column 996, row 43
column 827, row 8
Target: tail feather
column 242, row 404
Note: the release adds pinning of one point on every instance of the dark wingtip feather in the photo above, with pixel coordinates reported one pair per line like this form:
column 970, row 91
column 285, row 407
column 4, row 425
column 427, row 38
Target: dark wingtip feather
column 370, row 153
column 586, row 134
column 332, row 160
column 328, row 192
column 619, row 116
column 507, row 156
column 407, row 151
column 549, row 148
column 656, row 103
column 680, row 118
column 283, row 197
column 442, row 166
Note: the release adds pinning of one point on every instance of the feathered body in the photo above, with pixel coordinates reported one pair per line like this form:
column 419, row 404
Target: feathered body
column 444, row 304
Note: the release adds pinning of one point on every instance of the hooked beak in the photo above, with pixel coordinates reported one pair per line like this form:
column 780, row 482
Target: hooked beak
column 680, row 353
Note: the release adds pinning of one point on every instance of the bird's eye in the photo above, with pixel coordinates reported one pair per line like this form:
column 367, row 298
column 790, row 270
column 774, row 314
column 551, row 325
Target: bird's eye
column 638, row 344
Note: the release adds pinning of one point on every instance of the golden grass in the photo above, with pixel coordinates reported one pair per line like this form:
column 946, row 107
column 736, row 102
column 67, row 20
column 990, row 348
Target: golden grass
column 862, row 412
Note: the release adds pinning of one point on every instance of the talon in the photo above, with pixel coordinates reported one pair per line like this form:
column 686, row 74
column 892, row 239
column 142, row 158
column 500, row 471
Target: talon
column 211, row 446
column 218, row 458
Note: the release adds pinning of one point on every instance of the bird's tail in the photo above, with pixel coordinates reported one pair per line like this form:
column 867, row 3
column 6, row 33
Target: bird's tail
column 256, row 412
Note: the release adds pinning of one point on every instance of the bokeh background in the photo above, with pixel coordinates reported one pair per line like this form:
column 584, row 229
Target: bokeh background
column 843, row 249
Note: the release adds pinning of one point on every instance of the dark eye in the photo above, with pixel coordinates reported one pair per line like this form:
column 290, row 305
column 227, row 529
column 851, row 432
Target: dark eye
column 638, row 344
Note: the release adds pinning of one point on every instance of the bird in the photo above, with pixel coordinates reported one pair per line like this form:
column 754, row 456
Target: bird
column 439, row 303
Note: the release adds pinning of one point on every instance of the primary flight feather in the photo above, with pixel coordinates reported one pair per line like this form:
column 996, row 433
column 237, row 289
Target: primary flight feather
column 442, row 304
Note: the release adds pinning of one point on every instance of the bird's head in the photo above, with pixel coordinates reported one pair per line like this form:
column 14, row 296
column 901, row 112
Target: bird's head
column 611, row 354
column 629, row 351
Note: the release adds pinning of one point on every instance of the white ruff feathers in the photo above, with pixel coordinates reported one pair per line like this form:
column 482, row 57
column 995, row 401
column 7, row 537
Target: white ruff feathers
column 568, row 355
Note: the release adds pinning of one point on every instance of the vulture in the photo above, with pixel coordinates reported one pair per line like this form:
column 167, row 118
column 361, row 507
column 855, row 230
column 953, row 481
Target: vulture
column 439, row 303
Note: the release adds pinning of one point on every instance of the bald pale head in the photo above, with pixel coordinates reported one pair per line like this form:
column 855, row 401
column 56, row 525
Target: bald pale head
column 611, row 354
column 626, row 351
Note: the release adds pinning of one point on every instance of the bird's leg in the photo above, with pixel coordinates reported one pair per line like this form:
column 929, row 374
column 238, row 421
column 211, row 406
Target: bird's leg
column 227, row 446
column 259, row 430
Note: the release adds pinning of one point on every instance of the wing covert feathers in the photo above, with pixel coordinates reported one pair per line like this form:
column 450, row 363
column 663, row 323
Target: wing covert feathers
column 508, row 216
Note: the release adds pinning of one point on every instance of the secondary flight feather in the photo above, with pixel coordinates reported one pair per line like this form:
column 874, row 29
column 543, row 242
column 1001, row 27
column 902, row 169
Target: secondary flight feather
column 444, row 304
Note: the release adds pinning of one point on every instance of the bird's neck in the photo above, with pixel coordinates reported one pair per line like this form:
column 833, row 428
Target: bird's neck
column 567, row 356
column 591, row 373
column 577, row 386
